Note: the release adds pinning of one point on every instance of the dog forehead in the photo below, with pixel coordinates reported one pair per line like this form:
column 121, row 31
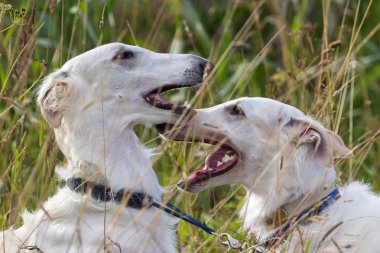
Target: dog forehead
column 99, row 55
column 269, row 107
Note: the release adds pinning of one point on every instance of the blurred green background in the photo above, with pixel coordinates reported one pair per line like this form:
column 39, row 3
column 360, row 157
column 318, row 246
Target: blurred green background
column 320, row 56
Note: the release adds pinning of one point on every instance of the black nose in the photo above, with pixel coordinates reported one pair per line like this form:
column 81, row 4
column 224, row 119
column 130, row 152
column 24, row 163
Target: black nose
column 202, row 65
column 205, row 65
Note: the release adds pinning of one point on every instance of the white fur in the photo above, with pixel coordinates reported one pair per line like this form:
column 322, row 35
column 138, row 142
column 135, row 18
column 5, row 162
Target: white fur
column 283, row 164
column 93, row 102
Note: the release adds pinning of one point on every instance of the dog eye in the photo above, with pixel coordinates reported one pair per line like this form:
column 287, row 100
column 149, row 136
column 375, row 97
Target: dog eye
column 236, row 110
column 123, row 55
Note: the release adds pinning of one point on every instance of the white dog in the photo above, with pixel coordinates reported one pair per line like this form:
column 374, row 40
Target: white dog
column 93, row 102
column 285, row 161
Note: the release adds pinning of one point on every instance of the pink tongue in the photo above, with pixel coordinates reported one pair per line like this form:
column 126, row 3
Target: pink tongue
column 212, row 162
column 156, row 98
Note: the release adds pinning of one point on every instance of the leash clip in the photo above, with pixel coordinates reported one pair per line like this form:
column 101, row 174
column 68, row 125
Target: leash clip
column 229, row 241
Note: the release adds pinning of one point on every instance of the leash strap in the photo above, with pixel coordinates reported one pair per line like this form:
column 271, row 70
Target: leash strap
column 175, row 211
column 224, row 238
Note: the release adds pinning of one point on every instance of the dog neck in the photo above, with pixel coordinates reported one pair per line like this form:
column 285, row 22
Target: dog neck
column 302, row 188
column 116, row 158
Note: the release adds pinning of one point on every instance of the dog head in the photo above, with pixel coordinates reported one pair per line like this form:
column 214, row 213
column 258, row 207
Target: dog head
column 257, row 139
column 116, row 85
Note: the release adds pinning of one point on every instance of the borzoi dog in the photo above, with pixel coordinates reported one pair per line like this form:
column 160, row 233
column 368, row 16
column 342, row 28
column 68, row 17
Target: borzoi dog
column 285, row 161
column 93, row 102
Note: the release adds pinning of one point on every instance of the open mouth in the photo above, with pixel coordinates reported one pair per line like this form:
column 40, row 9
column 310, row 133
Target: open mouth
column 217, row 163
column 155, row 99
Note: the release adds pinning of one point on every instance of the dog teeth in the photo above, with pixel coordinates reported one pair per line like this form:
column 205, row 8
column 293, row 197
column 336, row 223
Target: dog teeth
column 226, row 158
column 208, row 169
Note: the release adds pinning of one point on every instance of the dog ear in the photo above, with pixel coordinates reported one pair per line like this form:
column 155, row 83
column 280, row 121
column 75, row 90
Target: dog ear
column 327, row 145
column 339, row 149
column 53, row 103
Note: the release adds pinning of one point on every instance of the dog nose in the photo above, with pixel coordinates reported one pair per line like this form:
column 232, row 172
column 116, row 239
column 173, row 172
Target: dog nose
column 206, row 66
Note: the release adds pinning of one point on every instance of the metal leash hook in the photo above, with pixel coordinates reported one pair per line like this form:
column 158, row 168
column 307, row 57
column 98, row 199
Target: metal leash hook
column 229, row 241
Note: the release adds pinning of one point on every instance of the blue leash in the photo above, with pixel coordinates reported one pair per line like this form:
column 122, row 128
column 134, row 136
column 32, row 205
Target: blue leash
column 224, row 238
column 140, row 200
column 175, row 211
column 280, row 234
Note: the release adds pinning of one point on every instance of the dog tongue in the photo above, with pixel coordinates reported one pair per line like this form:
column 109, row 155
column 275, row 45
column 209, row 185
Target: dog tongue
column 160, row 101
column 217, row 163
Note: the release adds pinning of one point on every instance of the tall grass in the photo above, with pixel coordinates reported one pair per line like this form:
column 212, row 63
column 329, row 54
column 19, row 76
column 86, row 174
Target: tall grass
column 320, row 56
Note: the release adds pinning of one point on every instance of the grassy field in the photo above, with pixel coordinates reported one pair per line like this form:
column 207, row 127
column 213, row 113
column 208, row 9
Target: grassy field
column 320, row 56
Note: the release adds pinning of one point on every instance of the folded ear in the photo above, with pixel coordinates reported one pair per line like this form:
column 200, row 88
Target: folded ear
column 326, row 144
column 339, row 149
column 53, row 102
